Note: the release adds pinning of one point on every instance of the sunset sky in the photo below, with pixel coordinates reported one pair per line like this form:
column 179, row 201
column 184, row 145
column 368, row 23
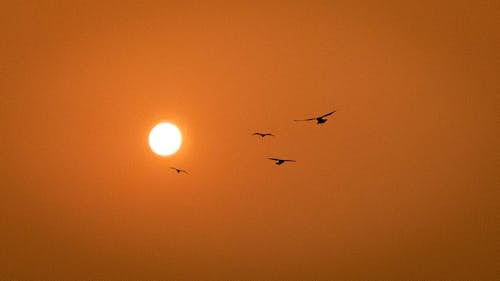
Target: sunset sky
column 400, row 184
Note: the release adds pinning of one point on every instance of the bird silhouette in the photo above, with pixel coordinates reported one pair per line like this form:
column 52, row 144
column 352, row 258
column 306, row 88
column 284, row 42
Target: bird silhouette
column 281, row 161
column 179, row 170
column 262, row 134
column 320, row 120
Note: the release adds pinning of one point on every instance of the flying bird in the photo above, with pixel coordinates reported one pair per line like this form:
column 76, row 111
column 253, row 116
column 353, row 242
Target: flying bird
column 262, row 134
column 179, row 170
column 320, row 120
column 281, row 161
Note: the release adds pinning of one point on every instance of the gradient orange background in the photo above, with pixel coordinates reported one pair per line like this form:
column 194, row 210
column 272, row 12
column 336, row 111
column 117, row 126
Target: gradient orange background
column 400, row 184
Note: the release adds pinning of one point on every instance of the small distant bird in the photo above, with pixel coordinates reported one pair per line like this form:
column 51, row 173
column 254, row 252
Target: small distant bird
column 281, row 161
column 262, row 134
column 320, row 120
column 179, row 170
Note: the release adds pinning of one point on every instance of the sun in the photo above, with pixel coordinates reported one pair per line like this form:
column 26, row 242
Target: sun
column 165, row 139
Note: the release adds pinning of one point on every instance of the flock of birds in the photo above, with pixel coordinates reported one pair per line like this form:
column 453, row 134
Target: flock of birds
column 278, row 161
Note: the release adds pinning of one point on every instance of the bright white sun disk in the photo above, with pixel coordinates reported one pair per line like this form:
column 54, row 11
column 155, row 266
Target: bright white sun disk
column 165, row 139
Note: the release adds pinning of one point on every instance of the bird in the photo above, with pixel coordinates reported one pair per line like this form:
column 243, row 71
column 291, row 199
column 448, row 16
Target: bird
column 320, row 120
column 281, row 161
column 179, row 170
column 262, row 134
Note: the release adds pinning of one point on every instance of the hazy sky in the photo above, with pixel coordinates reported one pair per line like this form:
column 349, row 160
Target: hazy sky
column 400, row 184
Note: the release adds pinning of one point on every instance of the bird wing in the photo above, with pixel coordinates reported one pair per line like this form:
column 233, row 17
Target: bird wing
column 173, row 168
column 308, row 119
column 184, row 171
column 328, row 114
column 256, row 134
column 288, row 160
column 270, row 134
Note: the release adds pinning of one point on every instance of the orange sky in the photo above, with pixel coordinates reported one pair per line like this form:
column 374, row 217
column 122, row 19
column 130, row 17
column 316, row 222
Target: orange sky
column 400, row 184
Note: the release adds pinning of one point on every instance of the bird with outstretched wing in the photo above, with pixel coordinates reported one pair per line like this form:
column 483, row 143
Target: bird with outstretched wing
column 320, row 120
column 281, row 161
column 262, row 135
column 179, row 170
